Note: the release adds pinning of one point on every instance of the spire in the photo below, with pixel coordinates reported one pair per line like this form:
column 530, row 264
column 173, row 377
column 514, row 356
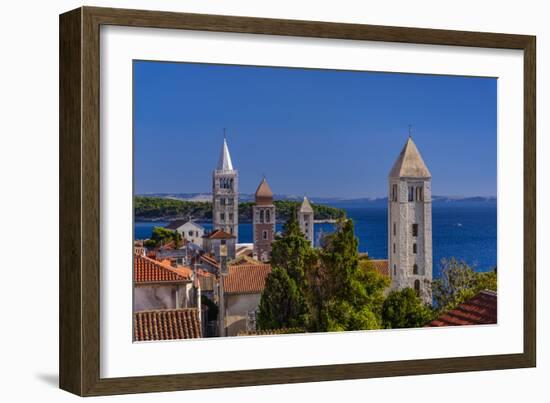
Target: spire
column 264, row 195
column 410, row 164
column 224, row 163
column 306, row 206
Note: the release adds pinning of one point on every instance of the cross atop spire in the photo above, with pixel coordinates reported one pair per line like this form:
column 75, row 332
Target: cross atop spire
column 410, row 130
column 224, row 163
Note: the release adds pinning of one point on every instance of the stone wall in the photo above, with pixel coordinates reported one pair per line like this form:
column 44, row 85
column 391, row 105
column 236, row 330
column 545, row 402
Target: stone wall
column 403, row 214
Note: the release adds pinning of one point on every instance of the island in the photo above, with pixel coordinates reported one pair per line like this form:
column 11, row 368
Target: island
column 167, row 209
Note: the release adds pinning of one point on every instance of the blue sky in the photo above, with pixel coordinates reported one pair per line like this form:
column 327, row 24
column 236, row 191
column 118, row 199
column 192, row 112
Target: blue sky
column 321, row 133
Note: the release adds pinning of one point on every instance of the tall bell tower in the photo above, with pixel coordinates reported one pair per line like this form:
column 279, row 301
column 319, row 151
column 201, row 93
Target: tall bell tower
column 225, row 194
column 410, row 223
column 306, row 220
column 263, row 215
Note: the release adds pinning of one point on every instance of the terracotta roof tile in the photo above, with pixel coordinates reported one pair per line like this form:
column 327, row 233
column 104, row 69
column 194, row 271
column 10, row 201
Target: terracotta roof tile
column 147, row 270
column 382, row 266
column 246, row 279
column 211, row 260
column 479, row 310
column 167, row 324
column 219, row 234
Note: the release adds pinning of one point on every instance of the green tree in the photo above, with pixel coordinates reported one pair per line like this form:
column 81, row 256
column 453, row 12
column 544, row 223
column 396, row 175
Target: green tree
column 404, row 309
column 375, row 284
column 285, row 286
column 176, row 237
column 282, row 304
column 459, row 282
column 160, row 236
column 212, row 308
column 343, row 296
column 292, row 251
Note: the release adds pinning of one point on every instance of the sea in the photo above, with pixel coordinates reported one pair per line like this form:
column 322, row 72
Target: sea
column 465, row 231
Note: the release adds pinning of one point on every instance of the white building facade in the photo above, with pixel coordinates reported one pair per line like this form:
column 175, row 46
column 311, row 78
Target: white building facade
column 189, row 230
column 410, row 223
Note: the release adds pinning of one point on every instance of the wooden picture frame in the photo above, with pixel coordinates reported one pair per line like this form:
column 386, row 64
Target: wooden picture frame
column 79, row 347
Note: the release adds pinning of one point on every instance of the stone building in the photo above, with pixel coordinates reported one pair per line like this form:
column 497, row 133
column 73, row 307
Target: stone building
column 157, row 285
column 243, row 288
column 263, row 216
column 190, row 230
column 225, row 194
column 220, row 244
column 410, row 223
column 306, row 220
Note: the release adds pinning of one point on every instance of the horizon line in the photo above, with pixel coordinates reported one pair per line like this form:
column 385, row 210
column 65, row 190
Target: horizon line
column 314, row 197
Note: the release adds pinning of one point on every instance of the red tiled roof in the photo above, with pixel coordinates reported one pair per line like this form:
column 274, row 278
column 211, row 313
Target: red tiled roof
column 246, row 279
column 167, row 246
column 219, row 234
column 167, row 324
column 478, row 310
column 211, row 260
column 147, row 270
column 382, row 266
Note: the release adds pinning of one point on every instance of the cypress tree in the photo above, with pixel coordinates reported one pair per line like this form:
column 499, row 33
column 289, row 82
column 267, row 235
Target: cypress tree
column 282, row 302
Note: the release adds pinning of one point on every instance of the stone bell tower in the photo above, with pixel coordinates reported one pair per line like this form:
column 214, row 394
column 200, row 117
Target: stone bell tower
column 225, row 195
column 306, row 220
column 410, row 223
column 263, row 213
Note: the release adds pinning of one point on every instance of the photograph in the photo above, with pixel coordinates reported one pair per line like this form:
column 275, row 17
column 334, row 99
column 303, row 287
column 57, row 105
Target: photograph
column 270, row 200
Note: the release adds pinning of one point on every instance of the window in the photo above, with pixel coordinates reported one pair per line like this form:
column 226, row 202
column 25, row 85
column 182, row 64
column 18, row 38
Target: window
column 415, row 229
column 222, row 217
column 190, row 233
column 411, row 193
column 415, row 269
column 394, row 231
column 394, row 193
column 419, row 195
column 394, row 247
column 261, row 216
column 264, row 235
column 414, row 248
column 267, row 216
column 222, row 201
column 394, row 270
column 417, row 287
column 231, row 217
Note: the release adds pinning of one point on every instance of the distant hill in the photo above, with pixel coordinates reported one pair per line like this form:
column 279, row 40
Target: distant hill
column 333, row 201
column 154, row 208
